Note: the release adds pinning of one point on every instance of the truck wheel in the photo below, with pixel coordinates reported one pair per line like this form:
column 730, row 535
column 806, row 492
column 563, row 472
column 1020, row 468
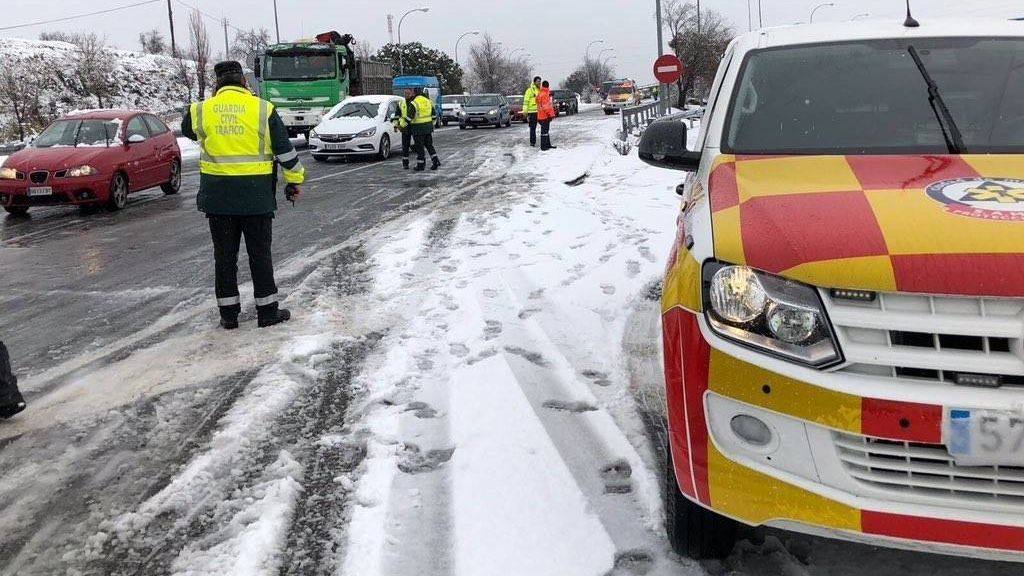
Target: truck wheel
column 694, row 531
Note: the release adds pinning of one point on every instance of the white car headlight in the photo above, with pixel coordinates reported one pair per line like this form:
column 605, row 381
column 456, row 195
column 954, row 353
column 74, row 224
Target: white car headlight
column 367, row 133
column 79, row 171
column 492, row 112
column 768, row 313
column 8, row 174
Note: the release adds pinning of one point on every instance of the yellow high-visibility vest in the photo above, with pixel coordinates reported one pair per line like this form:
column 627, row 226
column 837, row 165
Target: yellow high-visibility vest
column 234, row 133
column 424, row 110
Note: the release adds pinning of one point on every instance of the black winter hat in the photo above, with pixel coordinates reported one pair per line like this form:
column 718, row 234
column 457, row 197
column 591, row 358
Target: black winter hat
column 228, row 68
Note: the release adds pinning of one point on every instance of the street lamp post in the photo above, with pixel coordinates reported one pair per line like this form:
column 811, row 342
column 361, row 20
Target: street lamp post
column 277, row 29
column 401, row 64
column 512, row 53
column 473, row 33
column 859, row 16
column 819, row 7
column 586, row 61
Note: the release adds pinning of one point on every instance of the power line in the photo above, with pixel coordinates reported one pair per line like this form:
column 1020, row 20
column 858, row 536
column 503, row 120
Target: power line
column 213, row 18
column 77, row 16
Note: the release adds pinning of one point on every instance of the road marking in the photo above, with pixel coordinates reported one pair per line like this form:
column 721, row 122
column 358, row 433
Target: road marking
column 318, row 179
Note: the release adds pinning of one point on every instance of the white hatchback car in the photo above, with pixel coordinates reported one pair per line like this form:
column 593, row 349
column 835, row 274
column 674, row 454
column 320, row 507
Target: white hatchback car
column 361, row 125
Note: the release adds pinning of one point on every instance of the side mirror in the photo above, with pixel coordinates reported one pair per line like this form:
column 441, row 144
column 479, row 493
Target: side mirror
column 136, row 139
column 664, row 145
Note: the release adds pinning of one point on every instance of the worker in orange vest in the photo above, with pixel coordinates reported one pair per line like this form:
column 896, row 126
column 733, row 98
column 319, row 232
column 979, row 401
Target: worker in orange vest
column 545, row 114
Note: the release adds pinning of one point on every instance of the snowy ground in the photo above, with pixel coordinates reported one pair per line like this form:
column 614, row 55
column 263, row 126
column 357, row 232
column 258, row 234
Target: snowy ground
column 471, row 389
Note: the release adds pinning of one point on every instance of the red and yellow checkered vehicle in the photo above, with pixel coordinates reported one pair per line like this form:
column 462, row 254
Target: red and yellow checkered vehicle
column 843, row 309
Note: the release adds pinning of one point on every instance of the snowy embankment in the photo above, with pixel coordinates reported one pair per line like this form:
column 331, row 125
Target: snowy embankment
column 503, row 435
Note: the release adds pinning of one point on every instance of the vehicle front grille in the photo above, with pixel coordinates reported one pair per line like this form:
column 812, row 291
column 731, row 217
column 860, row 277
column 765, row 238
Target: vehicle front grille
column 947, row 339
column 335, row 138
column 38, row 177
column 910, row 471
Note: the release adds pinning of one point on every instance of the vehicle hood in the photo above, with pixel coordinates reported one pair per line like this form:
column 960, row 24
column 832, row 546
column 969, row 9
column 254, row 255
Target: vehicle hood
column 53, row 159
column 350, row 125
column 923, row 224
column 478, row 109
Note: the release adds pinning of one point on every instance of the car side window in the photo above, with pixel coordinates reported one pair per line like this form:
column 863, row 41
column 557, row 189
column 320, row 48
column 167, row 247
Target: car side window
column 392, row 110
column 156, row 126
column 136, row 126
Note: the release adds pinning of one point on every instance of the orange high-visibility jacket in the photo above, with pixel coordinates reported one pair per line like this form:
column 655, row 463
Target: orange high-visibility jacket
column 545, row 106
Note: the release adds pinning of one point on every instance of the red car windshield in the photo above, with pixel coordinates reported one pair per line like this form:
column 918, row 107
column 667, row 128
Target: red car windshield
column 75, row 133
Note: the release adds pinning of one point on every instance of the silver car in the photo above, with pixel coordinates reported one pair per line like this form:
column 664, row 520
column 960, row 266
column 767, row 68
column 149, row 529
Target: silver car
column 485, row 110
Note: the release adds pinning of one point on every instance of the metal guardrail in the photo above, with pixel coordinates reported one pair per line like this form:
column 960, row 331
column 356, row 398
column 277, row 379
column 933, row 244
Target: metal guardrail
column 636, row 118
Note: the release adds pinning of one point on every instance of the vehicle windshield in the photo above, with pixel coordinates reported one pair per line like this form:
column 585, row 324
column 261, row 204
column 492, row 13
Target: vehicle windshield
column 620, row 90
column 561, row 94
column 475, row 101
column 299, row 66
column 65, row 133
column 357, row 110
column 453, row 99
column 515, row 100
column 869, row 97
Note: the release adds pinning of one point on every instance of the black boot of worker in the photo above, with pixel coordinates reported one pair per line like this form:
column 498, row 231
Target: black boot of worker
column 405, row 163
column 229, row 322
column 420, row 168
column 11, row 403
column 272, row 317
column 436, row 163
column 11, row 400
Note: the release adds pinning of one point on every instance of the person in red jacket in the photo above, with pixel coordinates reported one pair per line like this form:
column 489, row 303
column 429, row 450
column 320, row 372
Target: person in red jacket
column 545, row 114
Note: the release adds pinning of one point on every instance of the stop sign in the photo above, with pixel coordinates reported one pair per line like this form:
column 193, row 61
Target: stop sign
column 668, row 69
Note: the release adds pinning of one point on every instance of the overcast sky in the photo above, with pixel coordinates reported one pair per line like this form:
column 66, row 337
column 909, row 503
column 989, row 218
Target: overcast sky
column 555, row 32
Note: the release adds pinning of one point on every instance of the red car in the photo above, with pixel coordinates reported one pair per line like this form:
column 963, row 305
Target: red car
column 92, row 158
column 516, row 104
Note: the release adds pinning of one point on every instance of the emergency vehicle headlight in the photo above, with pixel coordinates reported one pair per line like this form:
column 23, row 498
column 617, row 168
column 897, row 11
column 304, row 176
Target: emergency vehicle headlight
column 768, row 313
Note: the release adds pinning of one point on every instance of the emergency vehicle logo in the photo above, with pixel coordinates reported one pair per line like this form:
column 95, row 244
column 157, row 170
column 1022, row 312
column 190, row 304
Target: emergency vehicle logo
column 989, row 199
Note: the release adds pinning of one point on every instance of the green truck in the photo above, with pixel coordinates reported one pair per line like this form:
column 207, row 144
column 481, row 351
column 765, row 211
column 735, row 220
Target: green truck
column 305, row 79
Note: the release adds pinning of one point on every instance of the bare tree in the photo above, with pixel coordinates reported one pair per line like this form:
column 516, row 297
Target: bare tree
column 95, row 67
column 19, row 96
column 183, row 73
column 199, row 51
column 363, row 49
column 152, row 42
column 57, row 36
column 248, row 44
column 486, row 65
column 699, row 44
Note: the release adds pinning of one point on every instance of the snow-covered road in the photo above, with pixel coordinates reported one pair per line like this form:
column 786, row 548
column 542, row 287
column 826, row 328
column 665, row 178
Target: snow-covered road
column 471, row 388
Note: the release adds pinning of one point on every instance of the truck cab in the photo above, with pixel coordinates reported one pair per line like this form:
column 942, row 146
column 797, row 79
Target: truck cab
column 307, row 78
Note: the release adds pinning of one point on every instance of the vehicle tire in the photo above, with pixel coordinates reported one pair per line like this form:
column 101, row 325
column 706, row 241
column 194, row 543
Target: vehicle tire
column 508, row 123
column 498, row 124
column 319, row 157
column 445, row 122
column 609, row 112
column 462, row 126
column 172, row 186
column 694, row 531
column 385, row 148
column 16, row 210
column 118, row 196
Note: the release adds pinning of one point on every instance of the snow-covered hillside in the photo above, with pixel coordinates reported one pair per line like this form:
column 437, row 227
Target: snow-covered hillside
column 141, row 81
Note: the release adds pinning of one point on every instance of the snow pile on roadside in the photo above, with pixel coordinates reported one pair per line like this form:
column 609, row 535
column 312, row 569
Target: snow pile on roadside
column 189, row 148
column 502, row 434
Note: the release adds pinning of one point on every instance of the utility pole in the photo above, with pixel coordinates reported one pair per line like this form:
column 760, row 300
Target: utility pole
column 170, row 18
column 277, row 29
column 760, row 16
column 663, row 89
column 226, row 50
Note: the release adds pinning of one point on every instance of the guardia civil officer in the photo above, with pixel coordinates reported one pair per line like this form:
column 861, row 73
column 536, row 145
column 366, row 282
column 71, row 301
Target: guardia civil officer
column 406, row 114
column 240, row 138
column 423, row 131
column 530, row 107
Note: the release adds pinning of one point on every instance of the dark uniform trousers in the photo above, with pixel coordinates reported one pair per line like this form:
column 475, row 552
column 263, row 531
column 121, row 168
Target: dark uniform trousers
column 9, row 394
column 532, row 117
column 227, row 233
column 425, row 143
column 406, row 145
column 545, row 135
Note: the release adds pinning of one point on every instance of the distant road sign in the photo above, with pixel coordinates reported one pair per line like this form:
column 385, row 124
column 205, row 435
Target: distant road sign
column 668, row 69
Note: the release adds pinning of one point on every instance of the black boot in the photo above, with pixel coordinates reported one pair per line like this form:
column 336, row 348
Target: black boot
column 436, row 163
column 405, row 163
column 11, row 404
column 277, row 316
column 229, row 323
column 420, row 168
column 11, row 401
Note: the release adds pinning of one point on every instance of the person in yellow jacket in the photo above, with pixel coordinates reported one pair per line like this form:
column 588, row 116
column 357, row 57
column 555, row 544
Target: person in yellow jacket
column 530, row 108
column 422, row 129
column 242, row 140
column 406, row 114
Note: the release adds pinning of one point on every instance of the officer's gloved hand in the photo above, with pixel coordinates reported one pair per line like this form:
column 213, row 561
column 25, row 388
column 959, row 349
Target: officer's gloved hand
column 292, row 193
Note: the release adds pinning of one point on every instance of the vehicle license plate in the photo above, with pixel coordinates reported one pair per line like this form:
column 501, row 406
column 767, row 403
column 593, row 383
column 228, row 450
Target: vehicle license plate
column 333, row 147
column 40, row 191
column 985, row 437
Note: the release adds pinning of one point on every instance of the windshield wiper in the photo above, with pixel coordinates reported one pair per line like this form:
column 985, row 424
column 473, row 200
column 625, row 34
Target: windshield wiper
column 954, row 139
